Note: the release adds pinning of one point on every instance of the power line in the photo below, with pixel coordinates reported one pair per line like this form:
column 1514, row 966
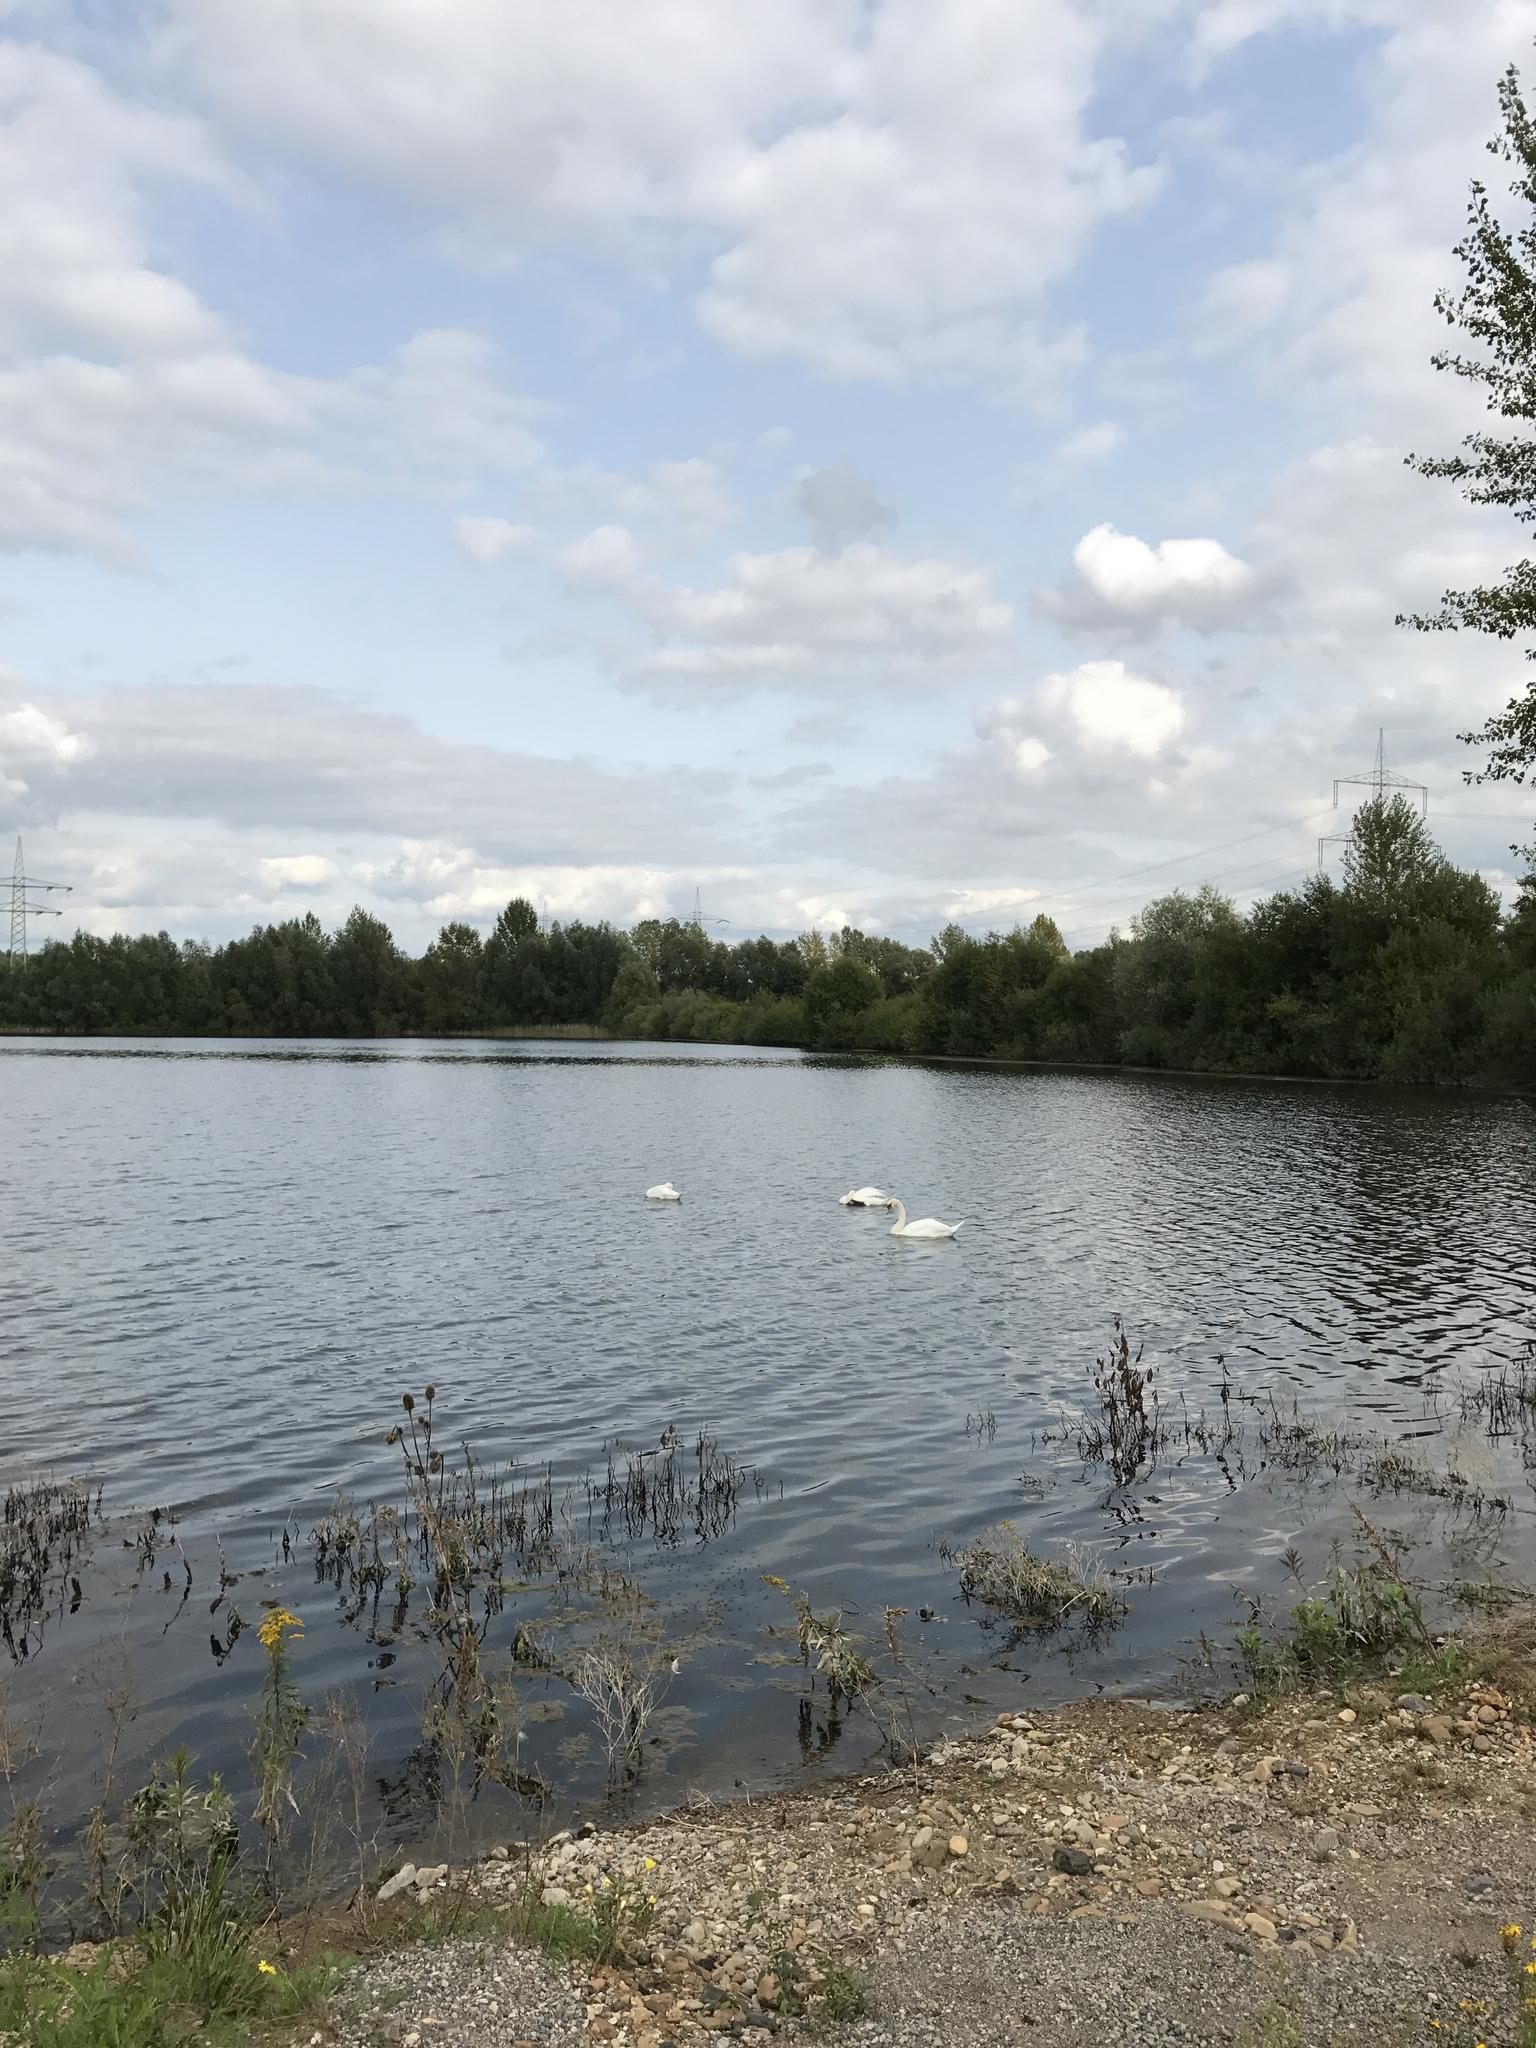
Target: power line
column 23, row 889
column 1272, row 877
column 1196, row 853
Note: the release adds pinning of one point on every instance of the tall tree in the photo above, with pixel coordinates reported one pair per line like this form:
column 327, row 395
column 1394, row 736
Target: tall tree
column 1496, row 309
column 1390, row 855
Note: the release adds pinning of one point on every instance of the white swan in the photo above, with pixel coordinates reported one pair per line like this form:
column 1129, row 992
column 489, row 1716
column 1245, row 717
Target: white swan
column 663, row 1192
column 925, row 1226
column 864, row 1198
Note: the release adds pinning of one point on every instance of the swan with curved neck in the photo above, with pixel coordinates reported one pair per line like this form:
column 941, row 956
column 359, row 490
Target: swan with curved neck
column 864, row 1198
column 925, row 1226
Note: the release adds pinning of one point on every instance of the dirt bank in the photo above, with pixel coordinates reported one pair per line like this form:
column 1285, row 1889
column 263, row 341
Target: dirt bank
column 1336, row 1867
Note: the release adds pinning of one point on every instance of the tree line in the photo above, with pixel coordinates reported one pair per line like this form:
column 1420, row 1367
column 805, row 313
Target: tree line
column 1408, row 969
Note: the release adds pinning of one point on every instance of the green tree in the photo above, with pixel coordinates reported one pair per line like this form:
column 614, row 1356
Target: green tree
column 1046, row 932
column 368, row 973
column 514, row 966
column 450, row 977
column 1496, row 309
column 1390, row 856
column 835, row 997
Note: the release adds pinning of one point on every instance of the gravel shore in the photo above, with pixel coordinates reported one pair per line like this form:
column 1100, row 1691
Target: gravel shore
column 1314, row 1873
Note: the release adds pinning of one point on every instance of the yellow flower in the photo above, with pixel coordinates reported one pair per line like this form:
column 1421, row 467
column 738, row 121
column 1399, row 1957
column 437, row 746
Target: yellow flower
column 271, row 1630
column 267, row 1969
column 1510, row 1933
column 607, row 1880
column 1530, row 1969
column 1436, row 2025
column 650, row 1862
column 650, row 1898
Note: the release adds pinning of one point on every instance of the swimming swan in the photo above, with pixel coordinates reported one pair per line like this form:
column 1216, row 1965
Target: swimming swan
column 925, row 1226
column 864, row 1198
column 663, row 1192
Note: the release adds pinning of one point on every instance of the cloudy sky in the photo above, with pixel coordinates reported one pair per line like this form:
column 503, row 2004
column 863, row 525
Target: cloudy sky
column 883, row 460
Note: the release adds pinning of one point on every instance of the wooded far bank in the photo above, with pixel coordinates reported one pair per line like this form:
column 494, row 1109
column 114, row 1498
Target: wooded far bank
column 1409, row 969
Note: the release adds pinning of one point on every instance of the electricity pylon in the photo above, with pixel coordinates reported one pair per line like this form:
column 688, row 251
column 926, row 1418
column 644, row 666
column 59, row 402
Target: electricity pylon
column 23, row 889
column 1379, row 779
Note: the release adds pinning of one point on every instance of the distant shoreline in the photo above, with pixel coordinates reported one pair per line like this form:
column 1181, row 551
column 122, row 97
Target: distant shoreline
column 597, row 1034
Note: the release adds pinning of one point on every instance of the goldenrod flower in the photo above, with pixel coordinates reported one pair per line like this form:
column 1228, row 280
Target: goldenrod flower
column 277, row 1621
column 267, row 1969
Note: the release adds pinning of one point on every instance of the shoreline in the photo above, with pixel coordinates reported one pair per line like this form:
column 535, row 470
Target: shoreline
column 1349, row 1864
column 597, row 1034
column 1175, row 1873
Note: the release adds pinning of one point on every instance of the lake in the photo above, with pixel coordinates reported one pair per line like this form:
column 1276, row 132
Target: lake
column 225, row 1262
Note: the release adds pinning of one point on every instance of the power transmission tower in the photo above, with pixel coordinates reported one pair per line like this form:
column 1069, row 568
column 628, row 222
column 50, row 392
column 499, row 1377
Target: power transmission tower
column 699, row 920
column 22, row 906
column 1379, row 779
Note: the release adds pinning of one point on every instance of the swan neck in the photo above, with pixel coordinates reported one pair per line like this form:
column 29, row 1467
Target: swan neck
column 901, row 1216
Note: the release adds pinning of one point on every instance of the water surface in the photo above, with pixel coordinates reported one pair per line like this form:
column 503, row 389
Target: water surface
column 224, row 1262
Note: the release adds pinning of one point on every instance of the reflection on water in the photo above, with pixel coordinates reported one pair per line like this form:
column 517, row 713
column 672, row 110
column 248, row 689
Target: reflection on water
column 224, row 1263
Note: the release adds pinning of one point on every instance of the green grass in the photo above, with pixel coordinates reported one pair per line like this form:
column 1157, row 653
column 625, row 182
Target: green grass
column 1363, row 1619
column 842, row 1995
column 165, row 2002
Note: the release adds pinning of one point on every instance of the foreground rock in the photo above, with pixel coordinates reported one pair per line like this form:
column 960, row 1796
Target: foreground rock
column 1108, row 1870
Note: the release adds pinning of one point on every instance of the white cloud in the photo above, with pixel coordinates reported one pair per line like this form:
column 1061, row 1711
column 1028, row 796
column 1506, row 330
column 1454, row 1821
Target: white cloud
column 444, row 880
column 491, row 540
column 1243, row 298
column 805, row 621
column 298, row 870
column 310, row 764
column 683, row 502
column 798, row 619
column 1089, row 445
column 1010, row 726
column 74, row 255
column 85, row 447
column 856, row 222
column 29, row 735
column 1111, row 706
column 980, row 903
column 1196, row 580
column 120, row 387
column 1344, row 293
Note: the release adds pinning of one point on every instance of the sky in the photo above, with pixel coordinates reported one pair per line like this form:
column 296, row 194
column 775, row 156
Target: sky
column 886, row 462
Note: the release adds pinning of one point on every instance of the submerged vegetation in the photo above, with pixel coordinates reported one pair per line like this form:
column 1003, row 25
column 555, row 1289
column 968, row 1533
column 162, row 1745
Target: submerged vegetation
column 1407, row 970
column 1001, row 1570
column 45, row 1534
column 505, row 1582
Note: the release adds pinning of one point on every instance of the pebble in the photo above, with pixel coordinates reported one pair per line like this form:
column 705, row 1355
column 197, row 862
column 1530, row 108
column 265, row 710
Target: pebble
column 1126, row 1887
